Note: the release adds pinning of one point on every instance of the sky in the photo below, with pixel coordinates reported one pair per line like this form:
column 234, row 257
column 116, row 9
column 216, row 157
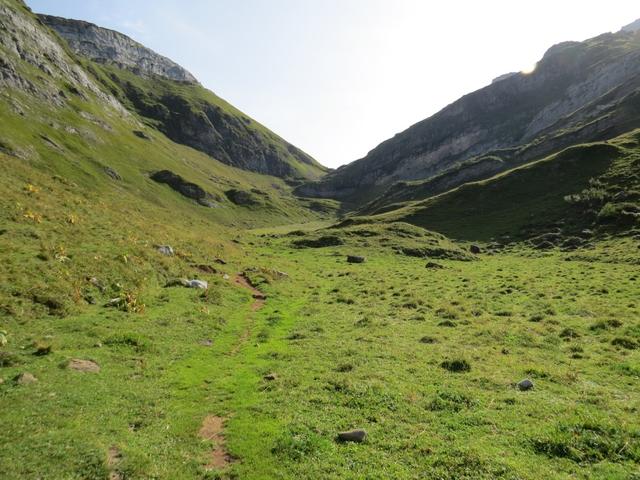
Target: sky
column 338, row 77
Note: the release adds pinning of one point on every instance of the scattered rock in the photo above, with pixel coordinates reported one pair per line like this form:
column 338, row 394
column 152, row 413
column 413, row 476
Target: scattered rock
column 42, row 349
column 141, row 134
column 184, row 187
column 270, row 377
column 112, row 173
column 355, row 259
column 206, row 268
column 475, row 249
column 323, row 241
column 87, row 366
column 240, row 197
column 524, row 385
column 166, row 250
column 183, row 282
column 226, row 277
column 428, row 339
column 206, row 343
column 357, row 436
column 433, row 266
column 202, row 284
column 220, row 261
column 25, row 378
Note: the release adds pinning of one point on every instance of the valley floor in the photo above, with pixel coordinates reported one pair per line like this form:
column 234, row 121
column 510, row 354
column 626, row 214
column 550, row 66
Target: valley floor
column 338, row 346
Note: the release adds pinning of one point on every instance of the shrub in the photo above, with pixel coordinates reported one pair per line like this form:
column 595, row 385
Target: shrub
column 457, row 365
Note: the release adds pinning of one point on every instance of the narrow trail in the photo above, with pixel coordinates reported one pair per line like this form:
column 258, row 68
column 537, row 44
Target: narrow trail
column 212, row 428
column 259, row 297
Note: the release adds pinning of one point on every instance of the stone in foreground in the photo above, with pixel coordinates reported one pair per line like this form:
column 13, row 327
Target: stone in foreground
column 524, row 385
column 165, row 250
column 25, row 378
column 355, row 259
column 357, row 436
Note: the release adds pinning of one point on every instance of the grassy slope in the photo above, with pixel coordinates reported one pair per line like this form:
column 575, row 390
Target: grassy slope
column 343, row 339
column 533, row 196
column 345, row 343
column 152, row 92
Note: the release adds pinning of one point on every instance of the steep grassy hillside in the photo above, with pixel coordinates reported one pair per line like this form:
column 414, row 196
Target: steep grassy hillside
column 184, row 111
column 593, row 186
column 82, row 196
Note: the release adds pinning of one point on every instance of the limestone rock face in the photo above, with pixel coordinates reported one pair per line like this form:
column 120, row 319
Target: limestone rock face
column 107, row 46
column 579, row 92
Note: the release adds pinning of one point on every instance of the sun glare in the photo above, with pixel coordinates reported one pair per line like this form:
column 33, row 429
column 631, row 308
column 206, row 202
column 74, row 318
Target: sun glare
column 530, row 69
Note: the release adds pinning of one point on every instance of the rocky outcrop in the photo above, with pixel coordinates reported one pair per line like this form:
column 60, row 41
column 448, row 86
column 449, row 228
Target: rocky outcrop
column 107, row 46
column 579, row 92
column 177, row 105
column 184, row 187
column 23, row 44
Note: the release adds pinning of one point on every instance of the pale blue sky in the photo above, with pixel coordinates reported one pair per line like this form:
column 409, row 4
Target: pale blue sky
column 337, row 77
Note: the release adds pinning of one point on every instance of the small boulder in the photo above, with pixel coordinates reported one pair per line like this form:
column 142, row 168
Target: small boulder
column 270, row 377
column 25, row 378
column 355, row 259
column 177, row 282
column 524, row 385
column 166, row 250
column 475, row 249
column 80, row 365
column 433, row 266
column 141, row 134
column 357, row 436
column 112, row 173
column 202, row 284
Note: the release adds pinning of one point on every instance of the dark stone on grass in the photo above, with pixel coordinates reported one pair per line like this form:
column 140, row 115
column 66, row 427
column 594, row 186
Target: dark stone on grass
column 355, row 259
column 545, row 245
column 240, row 197
column 25, row 378
column 141, row 134
column 433, row 266
column 427, row 339
column 524, row 385
column 475, row 249
column 324, row 241
column 112, row 173
column 270, row 377
column 184, row 187
column 357, row 436
column 447, row 323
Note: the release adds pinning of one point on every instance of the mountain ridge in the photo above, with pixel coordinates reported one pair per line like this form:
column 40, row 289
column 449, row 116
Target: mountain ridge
column 576, row 94
column 170, row 99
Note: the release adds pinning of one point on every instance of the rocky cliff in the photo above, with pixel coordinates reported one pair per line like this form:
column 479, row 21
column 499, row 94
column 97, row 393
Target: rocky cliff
column 580, row 91
column 107, row 46
column 169, row 98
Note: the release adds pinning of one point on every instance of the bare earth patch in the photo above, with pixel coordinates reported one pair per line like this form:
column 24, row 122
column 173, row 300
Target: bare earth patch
column 113, row 459
column 258, row 297
column 211, row 430
column 80, row 365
